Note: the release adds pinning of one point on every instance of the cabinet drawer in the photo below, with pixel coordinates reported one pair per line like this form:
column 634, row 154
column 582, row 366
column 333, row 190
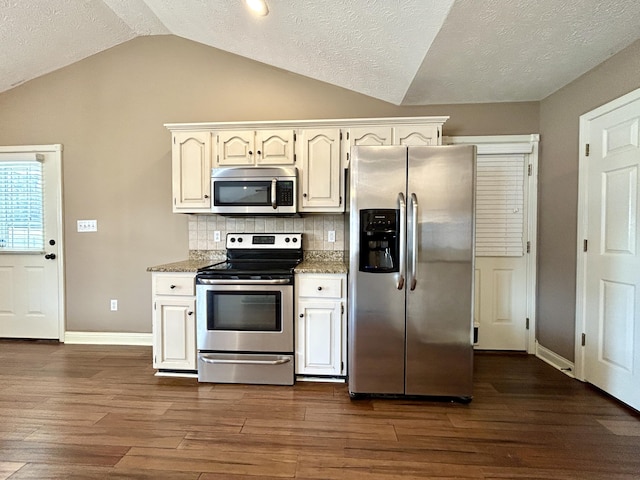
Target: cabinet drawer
column 320, row 287
column 175, row 285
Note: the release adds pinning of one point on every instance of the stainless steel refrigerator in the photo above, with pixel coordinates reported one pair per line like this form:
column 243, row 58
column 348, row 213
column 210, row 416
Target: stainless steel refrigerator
column 411, row 259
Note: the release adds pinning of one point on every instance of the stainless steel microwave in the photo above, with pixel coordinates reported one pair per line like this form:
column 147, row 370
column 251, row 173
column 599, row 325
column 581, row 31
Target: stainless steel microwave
column 254, row 190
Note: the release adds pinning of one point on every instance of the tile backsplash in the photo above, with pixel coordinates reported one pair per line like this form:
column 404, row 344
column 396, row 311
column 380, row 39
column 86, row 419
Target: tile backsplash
column 313, row 227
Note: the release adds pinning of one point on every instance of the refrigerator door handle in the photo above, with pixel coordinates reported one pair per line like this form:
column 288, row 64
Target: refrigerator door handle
column 414, row 240
column 403, row 240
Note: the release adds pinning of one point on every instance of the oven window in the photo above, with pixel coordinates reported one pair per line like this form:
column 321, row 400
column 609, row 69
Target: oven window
column 244, row 311
column 242, row 193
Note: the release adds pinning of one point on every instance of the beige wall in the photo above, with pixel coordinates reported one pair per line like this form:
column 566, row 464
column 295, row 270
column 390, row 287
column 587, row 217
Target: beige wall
column 558, row 191
column 108, row 111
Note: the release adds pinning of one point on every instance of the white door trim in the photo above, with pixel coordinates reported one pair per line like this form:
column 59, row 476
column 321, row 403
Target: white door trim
column 581, row 261
column 513, row 144
column 56, row 149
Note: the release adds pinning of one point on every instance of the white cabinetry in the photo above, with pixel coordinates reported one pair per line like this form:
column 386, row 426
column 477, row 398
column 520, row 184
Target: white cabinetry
column 428, row 134
column 321, row 324
column 191, row 171
column 254, row 147
column 417, row 135
column 319, row 149
column 174, row 321
column 321, row 179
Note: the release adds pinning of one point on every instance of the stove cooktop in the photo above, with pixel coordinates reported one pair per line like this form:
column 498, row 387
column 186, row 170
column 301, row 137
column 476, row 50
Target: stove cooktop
column 253, row 254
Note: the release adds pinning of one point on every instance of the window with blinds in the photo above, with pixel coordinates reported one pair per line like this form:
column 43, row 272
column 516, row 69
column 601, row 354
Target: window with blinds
column 21, row 206
column 500, row 205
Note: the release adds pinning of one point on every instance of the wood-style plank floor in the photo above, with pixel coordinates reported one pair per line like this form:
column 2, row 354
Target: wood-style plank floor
column 95, row 412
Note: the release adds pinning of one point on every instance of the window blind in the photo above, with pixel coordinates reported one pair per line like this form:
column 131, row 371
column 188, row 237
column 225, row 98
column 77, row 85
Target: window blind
column 21, row 206
column 500, row 205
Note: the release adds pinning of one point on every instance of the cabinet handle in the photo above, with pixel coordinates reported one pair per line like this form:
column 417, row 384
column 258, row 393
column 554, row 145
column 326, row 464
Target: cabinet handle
column 206, row 196
column 172, row 287
column 259, row 152
column 250, row 152
column 304, row 195
column 189, row 313
column 301, row 315
column 319, row 288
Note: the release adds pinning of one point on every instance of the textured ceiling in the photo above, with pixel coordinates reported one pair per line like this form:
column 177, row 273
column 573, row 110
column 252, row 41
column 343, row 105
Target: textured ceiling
column 410, row 52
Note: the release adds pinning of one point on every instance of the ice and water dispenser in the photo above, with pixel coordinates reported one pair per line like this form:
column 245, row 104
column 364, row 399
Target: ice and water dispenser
column 379, row 240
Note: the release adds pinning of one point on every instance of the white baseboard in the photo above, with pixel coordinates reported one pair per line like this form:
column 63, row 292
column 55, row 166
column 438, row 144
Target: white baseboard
column 108, row 338
column 555, row 360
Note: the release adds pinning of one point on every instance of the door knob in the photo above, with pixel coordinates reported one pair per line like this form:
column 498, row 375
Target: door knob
column 50, row 256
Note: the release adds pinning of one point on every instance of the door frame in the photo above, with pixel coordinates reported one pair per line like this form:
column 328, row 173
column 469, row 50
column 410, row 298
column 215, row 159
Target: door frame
column 55, row 151
column 583, row 222
column 528, row 145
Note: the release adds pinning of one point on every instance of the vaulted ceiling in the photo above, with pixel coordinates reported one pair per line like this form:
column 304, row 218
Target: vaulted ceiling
column 406, row 52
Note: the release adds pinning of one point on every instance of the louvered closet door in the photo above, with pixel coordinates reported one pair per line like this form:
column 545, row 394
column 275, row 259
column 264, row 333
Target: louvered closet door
column 501, row 266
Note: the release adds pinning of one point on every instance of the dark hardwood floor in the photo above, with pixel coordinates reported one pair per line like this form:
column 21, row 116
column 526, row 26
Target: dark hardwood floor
column 94, row 412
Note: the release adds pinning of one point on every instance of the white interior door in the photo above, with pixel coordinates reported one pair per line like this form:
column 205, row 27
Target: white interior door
column 506, row 199
column 500, row 295
column 31, row 287
column 609, row 275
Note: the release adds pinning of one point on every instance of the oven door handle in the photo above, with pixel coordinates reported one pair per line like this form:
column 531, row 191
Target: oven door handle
column 279, row 361
column 277, row 281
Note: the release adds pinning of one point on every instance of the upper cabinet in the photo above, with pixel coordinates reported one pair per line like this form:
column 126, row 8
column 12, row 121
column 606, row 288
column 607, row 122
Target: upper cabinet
column 417, row 135
column 254, row 147
column 320, row 174
column 318, row 149
column 368, row 136
column 191, row 171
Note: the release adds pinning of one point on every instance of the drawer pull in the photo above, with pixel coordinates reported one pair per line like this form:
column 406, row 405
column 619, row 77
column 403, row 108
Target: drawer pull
column 319, row 288
column 172, row 287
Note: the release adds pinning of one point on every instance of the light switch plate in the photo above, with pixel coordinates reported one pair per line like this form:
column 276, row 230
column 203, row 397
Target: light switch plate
column 331, row 236
column 87, row 225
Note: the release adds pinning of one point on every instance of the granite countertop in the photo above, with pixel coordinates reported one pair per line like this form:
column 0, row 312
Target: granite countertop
column 321, row 266
column 314, row 262
column 191, row 265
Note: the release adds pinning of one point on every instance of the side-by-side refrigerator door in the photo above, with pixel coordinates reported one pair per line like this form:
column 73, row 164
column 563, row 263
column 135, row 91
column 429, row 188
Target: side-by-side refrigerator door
column 440, row 229
column 376, row 281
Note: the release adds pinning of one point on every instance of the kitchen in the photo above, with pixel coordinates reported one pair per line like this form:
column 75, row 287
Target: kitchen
column 244, row 162
column 105, row 110
column 120, row 172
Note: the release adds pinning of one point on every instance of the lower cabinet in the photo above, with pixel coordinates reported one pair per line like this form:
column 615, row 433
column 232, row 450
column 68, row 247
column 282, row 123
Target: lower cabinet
column 321, row 324
column 174, row 321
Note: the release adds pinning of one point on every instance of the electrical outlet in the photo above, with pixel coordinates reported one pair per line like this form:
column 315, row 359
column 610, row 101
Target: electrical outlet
column 114, row 305
column 87, row 225
column 331, row 236
column 216, row 236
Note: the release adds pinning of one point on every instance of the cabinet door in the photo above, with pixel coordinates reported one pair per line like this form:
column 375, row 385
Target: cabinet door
column 416, row 135
column 174, row 333
column 275, row 147
column 374, row 136
column 235, row 148
column 191, row 171
column 321, row 171
column 319, row 334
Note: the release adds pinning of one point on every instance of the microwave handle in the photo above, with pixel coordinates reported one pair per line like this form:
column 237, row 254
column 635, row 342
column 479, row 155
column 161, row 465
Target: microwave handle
column 274, row 200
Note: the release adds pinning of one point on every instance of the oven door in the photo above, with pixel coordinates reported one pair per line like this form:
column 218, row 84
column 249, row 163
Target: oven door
column 254, row 316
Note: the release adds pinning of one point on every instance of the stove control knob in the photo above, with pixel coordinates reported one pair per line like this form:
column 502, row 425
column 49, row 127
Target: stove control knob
column 287, row 240
column 295, row 239
column 233, row 239
column 240, row 240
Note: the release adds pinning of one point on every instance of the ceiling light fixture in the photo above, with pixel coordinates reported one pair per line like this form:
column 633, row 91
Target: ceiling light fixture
column 259, row 7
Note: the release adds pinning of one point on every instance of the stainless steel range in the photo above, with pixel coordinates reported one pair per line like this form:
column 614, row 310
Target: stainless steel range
column 244, row 311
